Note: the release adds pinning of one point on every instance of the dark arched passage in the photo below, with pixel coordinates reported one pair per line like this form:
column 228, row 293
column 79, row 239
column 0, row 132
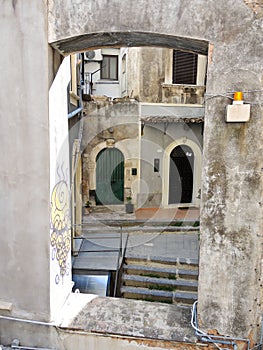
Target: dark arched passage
column 181, row 175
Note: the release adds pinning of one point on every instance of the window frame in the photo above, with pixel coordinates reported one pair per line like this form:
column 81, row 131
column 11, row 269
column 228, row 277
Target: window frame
column 108, row 75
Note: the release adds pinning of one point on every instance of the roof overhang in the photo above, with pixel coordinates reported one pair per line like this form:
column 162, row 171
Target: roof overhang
column 166, row 113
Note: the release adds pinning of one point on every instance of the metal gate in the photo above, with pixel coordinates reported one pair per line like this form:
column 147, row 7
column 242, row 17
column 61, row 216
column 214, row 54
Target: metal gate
column 109, row 177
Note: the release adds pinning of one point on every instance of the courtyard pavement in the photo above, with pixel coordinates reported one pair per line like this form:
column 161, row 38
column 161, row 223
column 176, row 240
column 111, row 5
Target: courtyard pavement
column 149, row 240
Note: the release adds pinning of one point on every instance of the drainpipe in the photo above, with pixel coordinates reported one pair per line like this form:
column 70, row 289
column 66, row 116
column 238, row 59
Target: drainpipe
column 80, row 108
column 76, row 111
column 261, row 334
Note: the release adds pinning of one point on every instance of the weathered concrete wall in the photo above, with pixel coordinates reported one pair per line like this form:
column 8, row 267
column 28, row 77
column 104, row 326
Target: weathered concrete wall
column 66, row 339
column 24, row 200
column 183, row 94
column 146, row 76
column 106, row 122
column 98, row 323
column 149, row 77
column 230, row 290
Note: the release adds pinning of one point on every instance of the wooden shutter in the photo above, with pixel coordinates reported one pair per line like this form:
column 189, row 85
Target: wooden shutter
column 184, row 67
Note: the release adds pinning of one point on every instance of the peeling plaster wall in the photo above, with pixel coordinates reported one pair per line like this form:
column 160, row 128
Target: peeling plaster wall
column 146, row 76
column 230, row 287
column 66, row 339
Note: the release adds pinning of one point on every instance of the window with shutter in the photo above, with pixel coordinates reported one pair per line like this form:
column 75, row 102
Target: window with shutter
column 184, row 67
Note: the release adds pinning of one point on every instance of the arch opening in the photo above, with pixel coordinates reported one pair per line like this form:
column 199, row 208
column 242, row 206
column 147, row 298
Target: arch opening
column 93, row 41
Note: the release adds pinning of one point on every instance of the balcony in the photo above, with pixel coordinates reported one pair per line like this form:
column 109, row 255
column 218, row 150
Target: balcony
column 183, row 94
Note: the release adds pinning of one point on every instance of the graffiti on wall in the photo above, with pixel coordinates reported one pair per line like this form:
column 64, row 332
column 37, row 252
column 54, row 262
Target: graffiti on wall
column 60, row 227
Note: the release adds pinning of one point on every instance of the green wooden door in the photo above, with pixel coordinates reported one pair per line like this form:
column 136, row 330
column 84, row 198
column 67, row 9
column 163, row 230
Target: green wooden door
column 109, row 177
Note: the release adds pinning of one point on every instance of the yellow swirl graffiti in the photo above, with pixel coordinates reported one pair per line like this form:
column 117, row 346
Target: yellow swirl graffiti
column 60, row 223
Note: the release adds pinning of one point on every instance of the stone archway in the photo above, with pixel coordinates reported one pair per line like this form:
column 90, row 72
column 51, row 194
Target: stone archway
column 91, row 166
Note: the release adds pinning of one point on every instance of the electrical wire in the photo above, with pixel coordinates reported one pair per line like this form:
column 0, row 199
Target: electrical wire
column 227, row 93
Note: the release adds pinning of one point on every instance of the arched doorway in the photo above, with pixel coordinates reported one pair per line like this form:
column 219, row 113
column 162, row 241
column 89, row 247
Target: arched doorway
column 109, row 176
column 181, row 175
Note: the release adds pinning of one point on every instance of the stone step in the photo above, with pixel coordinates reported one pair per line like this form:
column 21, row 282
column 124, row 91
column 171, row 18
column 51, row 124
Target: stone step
column 139, row 229
column 107, row 226
column 165, row 272
column 169, row 224
column 161, row 262
column 159, row 283
column 173, row 297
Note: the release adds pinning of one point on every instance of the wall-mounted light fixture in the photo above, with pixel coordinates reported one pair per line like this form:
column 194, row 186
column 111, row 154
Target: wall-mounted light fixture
column 165, row 128
column 238, row 111
column 142, row 128
column 156, row 165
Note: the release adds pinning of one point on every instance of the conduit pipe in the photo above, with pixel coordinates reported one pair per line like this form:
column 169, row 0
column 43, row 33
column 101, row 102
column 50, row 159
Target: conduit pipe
column 261, row 334
column 76, row 111
column 28, row 348
column 15, row 343
column 210, row 338
column 40, row 323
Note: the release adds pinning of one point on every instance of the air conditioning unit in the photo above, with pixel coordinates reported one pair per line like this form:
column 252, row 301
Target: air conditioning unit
column 93, row 55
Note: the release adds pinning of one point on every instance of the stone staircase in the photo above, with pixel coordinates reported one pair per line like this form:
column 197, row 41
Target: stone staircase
column 150, row 269
column 173, row 281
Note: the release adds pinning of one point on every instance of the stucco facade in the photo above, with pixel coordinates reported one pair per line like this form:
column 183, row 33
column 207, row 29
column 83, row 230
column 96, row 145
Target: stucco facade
column 230, row 281
column 111, row 125
column 148, row 120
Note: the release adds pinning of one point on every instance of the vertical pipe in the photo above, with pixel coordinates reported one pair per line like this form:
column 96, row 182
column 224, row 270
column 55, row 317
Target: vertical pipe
column 261, row 334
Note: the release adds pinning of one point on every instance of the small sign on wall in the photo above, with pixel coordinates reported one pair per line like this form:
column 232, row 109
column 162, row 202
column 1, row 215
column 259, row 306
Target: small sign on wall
column 134, row 171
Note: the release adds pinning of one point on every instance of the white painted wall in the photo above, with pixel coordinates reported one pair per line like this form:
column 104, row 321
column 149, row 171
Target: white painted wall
column 24, row 184
column 60, row 233
column 103, row 87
